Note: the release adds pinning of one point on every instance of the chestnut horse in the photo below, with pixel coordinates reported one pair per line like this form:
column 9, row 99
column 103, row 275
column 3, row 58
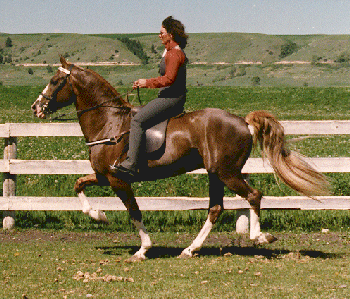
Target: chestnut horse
column 212, row 139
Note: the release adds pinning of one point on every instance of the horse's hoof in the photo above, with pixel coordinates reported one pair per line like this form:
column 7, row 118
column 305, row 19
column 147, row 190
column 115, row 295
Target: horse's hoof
column 185, row 254
column 135, row 259
column 265, row 239
column 99, row 216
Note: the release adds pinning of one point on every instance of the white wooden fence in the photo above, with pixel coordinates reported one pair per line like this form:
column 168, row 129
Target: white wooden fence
column 11, row 167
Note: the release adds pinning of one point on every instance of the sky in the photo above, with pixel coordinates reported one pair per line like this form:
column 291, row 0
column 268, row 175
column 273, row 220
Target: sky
column 198, row 16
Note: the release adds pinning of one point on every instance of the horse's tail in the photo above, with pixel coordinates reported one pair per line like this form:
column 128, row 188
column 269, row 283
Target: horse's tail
column 290, row 167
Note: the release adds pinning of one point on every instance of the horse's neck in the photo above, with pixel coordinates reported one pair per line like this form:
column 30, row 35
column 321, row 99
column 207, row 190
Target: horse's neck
column 102, row 115
column 108, row 121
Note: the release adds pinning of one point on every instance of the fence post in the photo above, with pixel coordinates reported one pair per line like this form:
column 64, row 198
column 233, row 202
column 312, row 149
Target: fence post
column 242, row 221
column 9, row 184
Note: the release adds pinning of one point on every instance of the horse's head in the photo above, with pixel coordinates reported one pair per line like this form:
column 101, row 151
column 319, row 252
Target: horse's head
column 57, row 94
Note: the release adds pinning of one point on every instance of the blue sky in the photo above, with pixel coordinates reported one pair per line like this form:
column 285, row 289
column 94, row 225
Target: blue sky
column 140, row 16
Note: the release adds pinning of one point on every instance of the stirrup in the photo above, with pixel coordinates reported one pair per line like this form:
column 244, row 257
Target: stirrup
column 123, row 173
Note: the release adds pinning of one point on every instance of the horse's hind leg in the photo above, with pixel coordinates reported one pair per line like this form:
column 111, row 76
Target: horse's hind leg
column 237, row 184
column 216, row 194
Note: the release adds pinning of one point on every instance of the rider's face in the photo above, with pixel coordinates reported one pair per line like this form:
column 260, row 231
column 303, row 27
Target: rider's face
column 164, row 36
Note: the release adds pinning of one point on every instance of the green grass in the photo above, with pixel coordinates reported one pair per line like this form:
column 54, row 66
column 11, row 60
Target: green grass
column 45, row 264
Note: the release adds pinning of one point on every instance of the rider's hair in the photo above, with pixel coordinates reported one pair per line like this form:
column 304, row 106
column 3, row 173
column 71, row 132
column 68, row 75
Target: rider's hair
column 177, row 30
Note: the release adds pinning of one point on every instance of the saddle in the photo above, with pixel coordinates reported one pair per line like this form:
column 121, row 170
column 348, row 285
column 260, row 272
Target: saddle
column 155, row 138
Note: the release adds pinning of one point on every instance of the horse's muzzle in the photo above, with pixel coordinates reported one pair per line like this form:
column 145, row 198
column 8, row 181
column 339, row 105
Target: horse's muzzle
column 38, row 110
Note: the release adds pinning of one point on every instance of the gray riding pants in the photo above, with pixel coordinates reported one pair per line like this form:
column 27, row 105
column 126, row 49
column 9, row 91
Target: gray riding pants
column 153, row 113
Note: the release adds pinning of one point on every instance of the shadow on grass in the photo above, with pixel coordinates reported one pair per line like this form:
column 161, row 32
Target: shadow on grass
column 252, row 251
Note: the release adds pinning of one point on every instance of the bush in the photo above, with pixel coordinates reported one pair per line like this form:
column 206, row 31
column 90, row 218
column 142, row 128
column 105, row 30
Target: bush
column 288, row 49
column 8, row 42
column 136, row 48
column 343, row 58
column 256, row 81
column 30, row 71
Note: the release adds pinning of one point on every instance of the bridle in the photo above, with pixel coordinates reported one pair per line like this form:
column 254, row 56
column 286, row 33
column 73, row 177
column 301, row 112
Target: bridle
column 52, row 105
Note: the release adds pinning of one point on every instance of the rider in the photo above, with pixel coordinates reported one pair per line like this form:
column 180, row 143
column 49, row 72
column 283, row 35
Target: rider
column 171, row 96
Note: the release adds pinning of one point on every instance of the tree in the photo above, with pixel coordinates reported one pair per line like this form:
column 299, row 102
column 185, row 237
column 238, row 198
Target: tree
column 288, row 49
column 8, row 43
column 256, row 81
column 49, row 69
column 343, row 58
column 136, row 48
column 8, row 59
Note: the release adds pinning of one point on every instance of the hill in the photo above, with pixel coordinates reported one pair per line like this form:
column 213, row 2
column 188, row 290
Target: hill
column 216, row 58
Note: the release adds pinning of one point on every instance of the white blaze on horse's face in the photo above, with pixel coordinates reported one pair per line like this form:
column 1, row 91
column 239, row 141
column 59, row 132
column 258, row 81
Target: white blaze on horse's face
column 40, row 102
column 40, row 106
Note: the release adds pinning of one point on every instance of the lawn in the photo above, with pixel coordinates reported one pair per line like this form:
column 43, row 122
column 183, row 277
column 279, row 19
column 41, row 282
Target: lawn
column 57, row 264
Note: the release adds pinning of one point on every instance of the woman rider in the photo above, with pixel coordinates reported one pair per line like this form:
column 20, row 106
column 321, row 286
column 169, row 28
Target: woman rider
column 171, row 96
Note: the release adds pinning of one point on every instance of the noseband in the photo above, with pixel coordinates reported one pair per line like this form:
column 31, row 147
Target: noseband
column 52, row 105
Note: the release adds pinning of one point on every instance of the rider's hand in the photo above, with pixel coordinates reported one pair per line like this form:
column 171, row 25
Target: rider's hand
column 139, row 83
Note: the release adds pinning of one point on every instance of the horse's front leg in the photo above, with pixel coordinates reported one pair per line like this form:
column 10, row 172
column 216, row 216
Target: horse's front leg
column 127, row 197
column 79, row 187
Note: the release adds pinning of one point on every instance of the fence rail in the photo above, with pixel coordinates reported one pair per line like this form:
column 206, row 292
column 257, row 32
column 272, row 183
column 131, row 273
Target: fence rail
column 11, row 167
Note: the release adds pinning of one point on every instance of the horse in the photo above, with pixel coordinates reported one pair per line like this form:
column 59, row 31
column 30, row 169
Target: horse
column 211, row 138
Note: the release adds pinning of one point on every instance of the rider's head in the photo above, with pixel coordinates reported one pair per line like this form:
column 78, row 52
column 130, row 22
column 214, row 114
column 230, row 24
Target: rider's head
column 177, row 30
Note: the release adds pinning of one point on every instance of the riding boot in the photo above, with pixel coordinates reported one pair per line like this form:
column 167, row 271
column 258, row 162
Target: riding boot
column 129, row 166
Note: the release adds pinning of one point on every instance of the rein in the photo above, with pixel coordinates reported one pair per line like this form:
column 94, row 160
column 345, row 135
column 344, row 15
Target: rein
column 81, row 112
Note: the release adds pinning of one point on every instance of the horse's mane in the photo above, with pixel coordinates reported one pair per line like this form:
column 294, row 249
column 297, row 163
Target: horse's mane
column 104, row 83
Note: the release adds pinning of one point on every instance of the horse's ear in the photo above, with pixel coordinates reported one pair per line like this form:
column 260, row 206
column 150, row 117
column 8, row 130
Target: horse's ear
column 63, row 62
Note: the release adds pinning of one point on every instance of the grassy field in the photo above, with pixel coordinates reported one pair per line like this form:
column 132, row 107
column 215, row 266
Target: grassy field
column 51, row 264
column 220, row 59
column 67, row 255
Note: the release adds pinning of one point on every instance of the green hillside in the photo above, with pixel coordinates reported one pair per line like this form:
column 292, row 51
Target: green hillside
column 233, row 59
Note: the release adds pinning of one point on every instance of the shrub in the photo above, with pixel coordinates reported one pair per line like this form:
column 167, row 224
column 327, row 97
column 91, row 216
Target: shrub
column 256, row 81
column 8, row 42
column 288, row 49
column 343, row 58
column 136, row 48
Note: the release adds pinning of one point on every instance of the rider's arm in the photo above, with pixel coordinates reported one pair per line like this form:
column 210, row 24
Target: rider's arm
column 173, row 60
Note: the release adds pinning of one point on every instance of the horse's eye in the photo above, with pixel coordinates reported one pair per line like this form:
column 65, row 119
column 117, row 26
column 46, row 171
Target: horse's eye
column 53, row 82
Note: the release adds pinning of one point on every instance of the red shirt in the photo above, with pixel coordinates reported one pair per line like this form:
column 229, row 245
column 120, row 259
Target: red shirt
column 174, row 58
